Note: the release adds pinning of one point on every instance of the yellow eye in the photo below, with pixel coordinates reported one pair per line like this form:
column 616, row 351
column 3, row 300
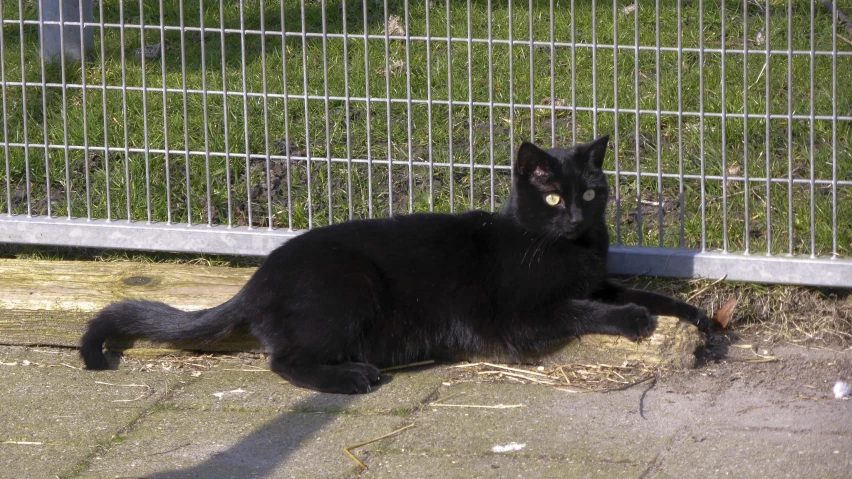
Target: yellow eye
column 589, row 195
column 553, row 199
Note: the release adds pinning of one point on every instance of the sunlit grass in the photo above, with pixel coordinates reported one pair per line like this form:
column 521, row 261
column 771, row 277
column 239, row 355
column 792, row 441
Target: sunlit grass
column 422, row 140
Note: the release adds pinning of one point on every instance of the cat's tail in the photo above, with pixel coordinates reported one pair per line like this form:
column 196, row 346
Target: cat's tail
column 158, row 322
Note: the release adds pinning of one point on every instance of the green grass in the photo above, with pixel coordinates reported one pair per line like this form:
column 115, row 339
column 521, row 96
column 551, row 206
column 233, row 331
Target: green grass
column 413, row 183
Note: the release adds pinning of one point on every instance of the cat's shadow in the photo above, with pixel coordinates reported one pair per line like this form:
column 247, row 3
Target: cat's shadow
column 261, row 452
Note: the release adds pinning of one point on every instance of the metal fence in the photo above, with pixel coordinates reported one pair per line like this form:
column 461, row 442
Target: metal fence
column 230, row 126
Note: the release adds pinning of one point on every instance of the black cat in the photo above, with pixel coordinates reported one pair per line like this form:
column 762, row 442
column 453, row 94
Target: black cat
column 335, row 303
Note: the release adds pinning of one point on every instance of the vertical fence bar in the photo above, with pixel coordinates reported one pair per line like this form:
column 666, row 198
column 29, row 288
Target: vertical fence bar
column 246, row 136
column 5, row 114
column 388, row 107
column 121, row 30
column 452, row 177
column 532, row 69
column 834, row 131
column 659, row 123
column 746, row 184
column 106, row 153
column 553, row 72
column 24, row 109
column 724, row 112
column 594, row 69
column 680, row 188
column 44, row 117
column 790, row 213
column 166, row 115
column 408, row 110
column 85, row 109
column 287, row 146
column 429, row 101
column 145, row 136
column 185, row 97
column 511, row 89
column 469, row 99
column 615, row 120
column 327, row 116
column 225, row 114
column 24, row 81
column 768, row 127
column 812, row 127
column 637, row 132
column 265, row 87
column 701, row 122
column 368, row 103
column 490, row 101
column 203, row 34
column 573, row 70
column 64, row 89
column 347, row 104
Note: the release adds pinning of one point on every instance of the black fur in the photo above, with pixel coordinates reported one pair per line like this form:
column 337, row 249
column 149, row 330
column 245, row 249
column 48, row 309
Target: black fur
column 337, row 302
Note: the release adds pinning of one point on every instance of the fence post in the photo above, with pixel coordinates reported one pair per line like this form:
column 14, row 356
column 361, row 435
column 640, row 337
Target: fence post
column 70, row 26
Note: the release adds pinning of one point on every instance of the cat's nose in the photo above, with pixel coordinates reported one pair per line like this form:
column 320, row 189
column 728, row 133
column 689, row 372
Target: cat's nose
column 574, row 221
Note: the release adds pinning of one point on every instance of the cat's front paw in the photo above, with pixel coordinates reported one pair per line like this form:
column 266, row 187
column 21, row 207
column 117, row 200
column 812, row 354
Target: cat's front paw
column 699, row 318
column 640, row 323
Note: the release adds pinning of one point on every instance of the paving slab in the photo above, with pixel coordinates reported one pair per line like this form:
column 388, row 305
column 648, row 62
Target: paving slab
column 758, row 454
column 55, row 416
column 583, row 428
column 240, row 444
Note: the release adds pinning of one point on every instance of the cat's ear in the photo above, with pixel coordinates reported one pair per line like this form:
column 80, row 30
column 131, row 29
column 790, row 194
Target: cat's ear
column 532, row 161
column 596, row 151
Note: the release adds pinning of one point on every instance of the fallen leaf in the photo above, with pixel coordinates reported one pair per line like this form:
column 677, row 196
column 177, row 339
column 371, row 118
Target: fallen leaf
column 723, row 315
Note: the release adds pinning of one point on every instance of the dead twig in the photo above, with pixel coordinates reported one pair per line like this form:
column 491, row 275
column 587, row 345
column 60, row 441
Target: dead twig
column 627, row 386
column 405, row 366
column 507, row 368
column 171, row 450
column 141, row 396
column 481, row 406
column 348, row 450
column 125, row 385
column 714, row 283
column 644, row 393
column 519, row 376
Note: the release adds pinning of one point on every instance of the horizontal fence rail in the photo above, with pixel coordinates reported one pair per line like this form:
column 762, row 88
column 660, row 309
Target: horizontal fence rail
column 227, row 127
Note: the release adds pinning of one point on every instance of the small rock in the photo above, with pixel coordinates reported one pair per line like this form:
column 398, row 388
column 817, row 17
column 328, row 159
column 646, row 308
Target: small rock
column 841, row 390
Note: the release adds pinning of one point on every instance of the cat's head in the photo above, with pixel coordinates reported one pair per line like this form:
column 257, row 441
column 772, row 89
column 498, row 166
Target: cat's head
column 560, row 192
